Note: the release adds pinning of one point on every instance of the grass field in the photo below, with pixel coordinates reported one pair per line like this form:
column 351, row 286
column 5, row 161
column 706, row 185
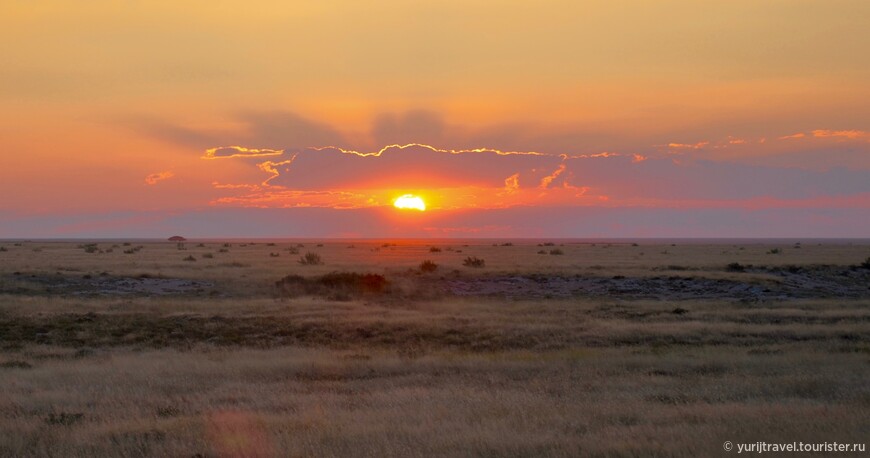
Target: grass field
column 549, row 349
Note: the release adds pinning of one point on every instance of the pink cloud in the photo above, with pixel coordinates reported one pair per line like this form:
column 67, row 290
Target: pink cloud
column 793, row 136
column 155, row 178
column 846, row 134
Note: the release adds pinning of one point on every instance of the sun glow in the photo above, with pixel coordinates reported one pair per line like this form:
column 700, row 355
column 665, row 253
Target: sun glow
column 410, row 201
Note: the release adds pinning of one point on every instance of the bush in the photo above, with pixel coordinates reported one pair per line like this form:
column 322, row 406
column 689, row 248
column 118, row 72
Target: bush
column 556, row 252
column 274, row 255
column 775, row 251
column 866, row 263
column 428, row 266
column 90, row 248
column 310, row 259
column 473, row 261
column 208, row 256
column 735, row 267
column 334, row 285
column 64, row 418
column 542, row 252
column 189, row 258
column 434, row 249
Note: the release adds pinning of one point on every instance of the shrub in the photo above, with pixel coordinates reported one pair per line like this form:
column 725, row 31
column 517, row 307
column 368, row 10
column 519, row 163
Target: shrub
column 775, row 251
column 208, row 256
column 428, row 266
column 3, row 248
column 14, row 364
column 189, row 258
column 542, row 252
column 735, row 267
column 292, row 250
column 274, row 255
column 310, row 259
column 556, row 252
column 434, row 249
column 335, row 285
column 866, row 263
column 507, row 244
column 223, row 250
column 473, row 261
column 64, row 418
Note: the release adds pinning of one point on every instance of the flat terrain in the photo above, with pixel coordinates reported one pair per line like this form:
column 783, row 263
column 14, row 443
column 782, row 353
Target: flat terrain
column 555, row 348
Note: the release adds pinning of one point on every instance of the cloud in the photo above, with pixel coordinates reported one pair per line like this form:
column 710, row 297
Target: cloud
column 827, row 133
column 549, row 178
column 512, row 183
column 275, row 129
column 410, row 127
column 476, row 178
column 698, row 145
column 271, row 168
column 239, row 151
column 154, row 178
column 847, row 134
column 793, row 136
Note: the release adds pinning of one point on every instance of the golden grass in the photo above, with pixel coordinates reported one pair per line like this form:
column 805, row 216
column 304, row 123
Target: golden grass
column 235, row 369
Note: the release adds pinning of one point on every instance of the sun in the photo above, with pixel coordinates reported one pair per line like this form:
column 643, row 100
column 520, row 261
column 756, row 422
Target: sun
column 410, row 201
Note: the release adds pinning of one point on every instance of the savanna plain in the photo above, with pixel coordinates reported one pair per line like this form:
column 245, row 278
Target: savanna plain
column 491, row 348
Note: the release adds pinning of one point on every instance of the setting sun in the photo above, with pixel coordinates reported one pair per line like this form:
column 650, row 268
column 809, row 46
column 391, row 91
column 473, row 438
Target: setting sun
column 410, row 201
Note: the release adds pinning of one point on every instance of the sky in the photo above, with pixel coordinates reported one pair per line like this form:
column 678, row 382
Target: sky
column 666, row 118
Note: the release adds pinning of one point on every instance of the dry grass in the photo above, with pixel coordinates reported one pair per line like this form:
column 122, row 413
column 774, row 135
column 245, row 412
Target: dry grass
column 233, row 367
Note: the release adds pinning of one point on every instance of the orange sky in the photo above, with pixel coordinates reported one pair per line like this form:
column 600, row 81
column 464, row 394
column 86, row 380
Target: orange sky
column 112, row 107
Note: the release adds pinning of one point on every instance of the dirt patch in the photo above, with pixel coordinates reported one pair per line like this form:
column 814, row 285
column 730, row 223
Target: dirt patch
column 99, row 285
column 791, row 283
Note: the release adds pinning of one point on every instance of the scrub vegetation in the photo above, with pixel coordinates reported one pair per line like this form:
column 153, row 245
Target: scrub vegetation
column 609, row 349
